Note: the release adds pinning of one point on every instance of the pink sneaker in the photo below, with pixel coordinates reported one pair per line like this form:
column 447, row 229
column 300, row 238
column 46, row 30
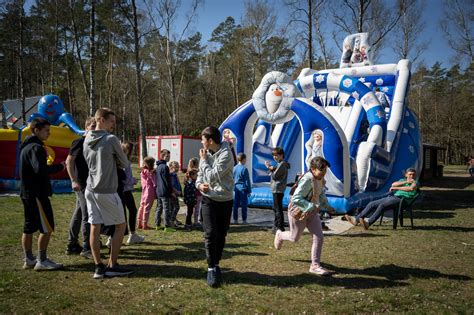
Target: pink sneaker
column 318, row 270
column 278, row 242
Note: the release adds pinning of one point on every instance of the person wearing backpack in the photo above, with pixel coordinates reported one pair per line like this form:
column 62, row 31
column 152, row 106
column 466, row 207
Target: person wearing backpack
column 303, row 212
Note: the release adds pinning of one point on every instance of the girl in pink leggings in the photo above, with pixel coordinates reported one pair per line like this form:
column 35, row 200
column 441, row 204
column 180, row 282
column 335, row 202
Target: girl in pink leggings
column 310, row 198
column 148, row 180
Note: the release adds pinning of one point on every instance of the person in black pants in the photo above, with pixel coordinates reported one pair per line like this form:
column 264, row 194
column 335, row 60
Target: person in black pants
column 35, row 190
column 78, row 172
column 129, row 202
column 216, row 183
column 279, row 176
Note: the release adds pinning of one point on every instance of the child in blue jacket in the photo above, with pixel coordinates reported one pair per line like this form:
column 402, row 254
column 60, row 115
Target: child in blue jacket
column 242, row 188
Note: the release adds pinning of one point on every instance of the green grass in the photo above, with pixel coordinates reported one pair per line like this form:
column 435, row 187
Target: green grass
column 429, row 269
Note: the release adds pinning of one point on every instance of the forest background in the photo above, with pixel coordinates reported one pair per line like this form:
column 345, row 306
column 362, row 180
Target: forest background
column 161, row 77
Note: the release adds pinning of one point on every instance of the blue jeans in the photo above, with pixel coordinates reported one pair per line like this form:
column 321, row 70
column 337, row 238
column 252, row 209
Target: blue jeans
column 378, row 207
column 240, row 199
column 164, row 205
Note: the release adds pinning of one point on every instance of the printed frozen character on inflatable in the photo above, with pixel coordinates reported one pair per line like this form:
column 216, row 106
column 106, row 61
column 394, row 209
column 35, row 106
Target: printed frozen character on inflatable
column 51, row 108
column 314, row 148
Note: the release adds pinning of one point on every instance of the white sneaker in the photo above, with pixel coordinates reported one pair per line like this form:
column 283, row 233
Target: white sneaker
column 109, row 242
column 320, row 271
column 278, row 242
column 47, row 264
column 29, row 263
column 135, row 239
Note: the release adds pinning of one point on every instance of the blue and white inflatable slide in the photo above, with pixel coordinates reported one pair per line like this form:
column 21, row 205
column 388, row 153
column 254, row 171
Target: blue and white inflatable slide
column 366, row 130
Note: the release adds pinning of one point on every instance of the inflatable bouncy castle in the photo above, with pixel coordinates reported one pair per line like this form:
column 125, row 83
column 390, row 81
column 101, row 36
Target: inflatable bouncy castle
column 63, row 131
column 355, row 116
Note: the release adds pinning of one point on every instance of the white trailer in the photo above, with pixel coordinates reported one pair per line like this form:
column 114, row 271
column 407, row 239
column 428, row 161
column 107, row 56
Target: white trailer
column 182, row 148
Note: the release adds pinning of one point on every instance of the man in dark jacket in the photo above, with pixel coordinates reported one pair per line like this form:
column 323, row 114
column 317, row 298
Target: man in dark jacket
column 34, row 192
column 78, row 172
column 164, row 192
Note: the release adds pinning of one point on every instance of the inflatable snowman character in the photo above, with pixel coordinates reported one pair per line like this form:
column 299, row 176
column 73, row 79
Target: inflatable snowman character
column 273, row 97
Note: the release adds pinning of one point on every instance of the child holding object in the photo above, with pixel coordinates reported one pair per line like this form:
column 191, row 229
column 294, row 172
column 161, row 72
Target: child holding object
column 279, row 176
column 148, row 181
column 307, row 198
column 242, row 188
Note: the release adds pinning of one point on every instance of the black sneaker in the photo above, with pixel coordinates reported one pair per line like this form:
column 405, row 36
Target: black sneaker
column 212, row 279
column 218, row 272
column 74, row 249
column 117, row 271
column 99, row 271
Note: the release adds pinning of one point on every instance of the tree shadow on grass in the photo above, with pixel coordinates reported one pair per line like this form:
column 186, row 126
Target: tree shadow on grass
column 358, row 235
column 456, row 182
column 248, row 228
column 188, row 252
column 259, row 279
column 444, row 228
column 394, row 272
column 445, row 200
column 426, row 214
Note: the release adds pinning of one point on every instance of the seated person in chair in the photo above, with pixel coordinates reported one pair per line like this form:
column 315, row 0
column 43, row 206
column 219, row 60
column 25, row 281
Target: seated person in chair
column 406, row 188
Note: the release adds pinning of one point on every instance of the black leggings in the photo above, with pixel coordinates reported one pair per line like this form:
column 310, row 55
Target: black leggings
column 132, row 210
column 279, row 222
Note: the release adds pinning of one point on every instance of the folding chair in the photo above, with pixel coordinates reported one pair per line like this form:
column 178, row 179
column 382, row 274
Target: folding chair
column 404, row 205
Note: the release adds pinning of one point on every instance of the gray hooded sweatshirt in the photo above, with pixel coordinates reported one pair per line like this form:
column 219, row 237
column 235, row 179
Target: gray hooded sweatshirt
column 103, row 154
column 217, row 171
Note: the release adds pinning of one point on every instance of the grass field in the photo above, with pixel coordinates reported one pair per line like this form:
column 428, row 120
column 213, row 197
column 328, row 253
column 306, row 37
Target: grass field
column 429, row 269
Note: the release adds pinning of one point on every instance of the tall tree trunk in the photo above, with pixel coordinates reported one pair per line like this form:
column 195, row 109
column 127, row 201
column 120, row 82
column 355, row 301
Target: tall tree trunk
column 141, row 119
column 310, row 34
column 110, row 71
column 20, row 57
column 54, row 50
column 92, row 104
column 68, row 76
column 78, row 50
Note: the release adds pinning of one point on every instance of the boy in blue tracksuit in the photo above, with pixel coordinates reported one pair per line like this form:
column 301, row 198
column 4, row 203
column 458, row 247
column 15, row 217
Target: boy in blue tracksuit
column 242, row 188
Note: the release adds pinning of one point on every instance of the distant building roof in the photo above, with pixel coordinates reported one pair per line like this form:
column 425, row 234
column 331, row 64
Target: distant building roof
column 433, row 146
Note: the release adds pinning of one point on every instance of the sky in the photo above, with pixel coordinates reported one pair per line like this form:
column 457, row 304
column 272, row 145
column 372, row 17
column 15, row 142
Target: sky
column 214, row 12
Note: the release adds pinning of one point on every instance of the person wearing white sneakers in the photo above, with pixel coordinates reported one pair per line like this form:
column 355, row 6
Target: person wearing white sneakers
column 103, row 154
column 309, row 198
column 129, row 201
column 35, row 191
